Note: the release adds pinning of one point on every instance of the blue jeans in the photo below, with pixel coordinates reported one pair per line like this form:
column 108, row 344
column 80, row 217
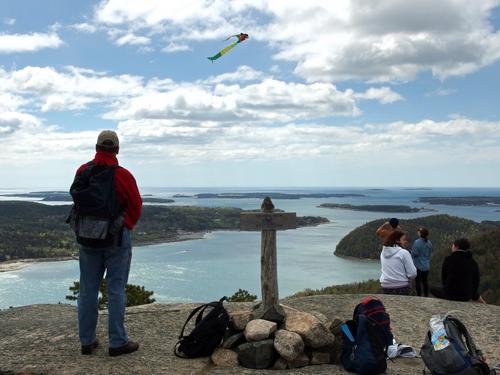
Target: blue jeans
column 115, row 260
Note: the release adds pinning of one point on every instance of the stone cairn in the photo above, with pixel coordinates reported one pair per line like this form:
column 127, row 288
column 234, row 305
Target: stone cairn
column 302, row 339
column 268, row 336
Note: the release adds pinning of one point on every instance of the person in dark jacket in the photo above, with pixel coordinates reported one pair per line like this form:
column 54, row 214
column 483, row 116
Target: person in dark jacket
column 114, row 259
column 459, row 275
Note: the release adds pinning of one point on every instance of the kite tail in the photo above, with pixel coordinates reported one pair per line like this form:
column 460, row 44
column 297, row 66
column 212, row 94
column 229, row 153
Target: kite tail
column 225, row 50
column 214, row 57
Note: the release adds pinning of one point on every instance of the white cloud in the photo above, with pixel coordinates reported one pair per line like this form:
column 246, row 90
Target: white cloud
column 15, row 43
column 418, row 143
column 9, row 21
column 372, row 41
column 383, row 94
column 173, row 47
column 242, row 73
column 441, row 92
column 84, row 27
column 73, row 89
column 132, row 40
column 268, row 100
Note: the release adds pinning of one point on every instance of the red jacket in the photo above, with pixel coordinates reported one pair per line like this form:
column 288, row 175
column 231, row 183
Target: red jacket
column 125, row 185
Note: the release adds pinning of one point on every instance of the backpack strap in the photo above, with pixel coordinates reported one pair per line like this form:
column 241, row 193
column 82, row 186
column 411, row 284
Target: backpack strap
column 471, row 346
column 202, row 307
column 200, row 313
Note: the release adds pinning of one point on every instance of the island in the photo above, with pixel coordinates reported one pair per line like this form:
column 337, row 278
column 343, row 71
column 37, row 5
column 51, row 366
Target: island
column 373, row 208
column 462, row 201
column 274, row 195
column 36, row 230
column 156, row 200
column 64, row 196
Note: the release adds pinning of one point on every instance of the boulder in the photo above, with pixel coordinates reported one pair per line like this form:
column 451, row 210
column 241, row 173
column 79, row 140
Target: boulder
column 301, row 361
column 280, row 364
column 322, row 317
column 313, row 332
column 259, row 329
column 288, row 344
column 239, row 319
column 233, row 340
column 320, row 358
column 224, row 358
column 257, row 354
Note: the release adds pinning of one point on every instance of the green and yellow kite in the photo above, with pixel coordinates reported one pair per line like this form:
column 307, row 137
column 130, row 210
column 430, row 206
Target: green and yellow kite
column 241, row 37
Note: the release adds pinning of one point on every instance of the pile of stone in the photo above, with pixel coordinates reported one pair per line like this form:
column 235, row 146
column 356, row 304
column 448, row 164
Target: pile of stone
column 302, row 339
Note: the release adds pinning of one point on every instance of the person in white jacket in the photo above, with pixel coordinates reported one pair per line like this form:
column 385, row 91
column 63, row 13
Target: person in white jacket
column 397, row 265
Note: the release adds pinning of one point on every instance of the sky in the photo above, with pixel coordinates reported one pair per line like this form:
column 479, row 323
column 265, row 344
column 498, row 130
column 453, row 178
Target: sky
column 343, row 93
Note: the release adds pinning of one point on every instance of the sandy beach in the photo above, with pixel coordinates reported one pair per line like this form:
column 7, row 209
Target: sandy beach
column 17, row 264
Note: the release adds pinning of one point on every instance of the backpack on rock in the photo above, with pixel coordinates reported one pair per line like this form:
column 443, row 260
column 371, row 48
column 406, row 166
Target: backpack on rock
column 450, row 350
column 207, row 333
column 366, row 338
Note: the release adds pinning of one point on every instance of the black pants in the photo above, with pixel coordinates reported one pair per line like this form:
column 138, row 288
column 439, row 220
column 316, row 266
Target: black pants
column 421, row 280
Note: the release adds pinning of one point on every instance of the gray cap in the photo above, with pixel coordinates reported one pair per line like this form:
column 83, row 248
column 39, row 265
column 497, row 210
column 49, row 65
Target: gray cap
column 108, row 138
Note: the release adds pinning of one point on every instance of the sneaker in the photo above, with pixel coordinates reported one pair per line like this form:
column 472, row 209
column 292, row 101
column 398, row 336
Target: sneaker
column 129, row 347
column 88, row 349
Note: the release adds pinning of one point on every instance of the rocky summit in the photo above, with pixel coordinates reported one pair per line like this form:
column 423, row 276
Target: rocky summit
column 42, row 339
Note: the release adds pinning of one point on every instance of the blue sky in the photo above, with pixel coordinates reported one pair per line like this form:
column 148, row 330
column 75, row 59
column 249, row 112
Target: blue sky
column 344, row 93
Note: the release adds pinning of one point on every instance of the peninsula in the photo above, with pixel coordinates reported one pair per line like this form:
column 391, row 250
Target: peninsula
column 462, row 201
column 373, row 207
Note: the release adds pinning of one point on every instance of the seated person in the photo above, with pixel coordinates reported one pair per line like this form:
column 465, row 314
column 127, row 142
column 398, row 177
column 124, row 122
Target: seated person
column 387, row 228
column 459, row 274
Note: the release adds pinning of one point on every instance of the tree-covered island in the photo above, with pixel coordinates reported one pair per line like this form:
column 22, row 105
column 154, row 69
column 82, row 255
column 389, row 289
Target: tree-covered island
column 462, row 201
column 35, row 230
column 373, row 207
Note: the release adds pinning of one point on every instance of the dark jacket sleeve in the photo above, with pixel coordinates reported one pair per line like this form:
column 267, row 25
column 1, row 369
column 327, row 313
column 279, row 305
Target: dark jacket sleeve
column 475, row 282
column 444, row 271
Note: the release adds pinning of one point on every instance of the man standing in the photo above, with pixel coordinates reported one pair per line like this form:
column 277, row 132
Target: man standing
column 459, row 274
column 107, row 206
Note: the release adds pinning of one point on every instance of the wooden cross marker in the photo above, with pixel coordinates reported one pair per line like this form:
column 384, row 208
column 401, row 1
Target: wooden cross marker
column 268, row 222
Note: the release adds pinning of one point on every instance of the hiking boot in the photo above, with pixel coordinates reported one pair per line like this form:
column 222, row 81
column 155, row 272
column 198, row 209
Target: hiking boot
column 88, row 349
column 129, row 347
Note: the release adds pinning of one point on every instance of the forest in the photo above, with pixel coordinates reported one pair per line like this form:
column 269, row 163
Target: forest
column 35, row 230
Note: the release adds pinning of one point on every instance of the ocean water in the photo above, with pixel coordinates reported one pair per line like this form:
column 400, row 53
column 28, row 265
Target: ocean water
column 224, row 261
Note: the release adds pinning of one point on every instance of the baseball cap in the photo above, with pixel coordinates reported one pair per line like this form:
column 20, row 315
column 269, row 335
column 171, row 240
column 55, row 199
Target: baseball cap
column 108, row 138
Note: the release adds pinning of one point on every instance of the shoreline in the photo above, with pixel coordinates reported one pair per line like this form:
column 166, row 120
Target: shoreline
column 18, row 264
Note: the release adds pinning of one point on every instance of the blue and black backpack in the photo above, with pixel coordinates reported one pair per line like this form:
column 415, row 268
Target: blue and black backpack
column 366, row 338
column 460, row 357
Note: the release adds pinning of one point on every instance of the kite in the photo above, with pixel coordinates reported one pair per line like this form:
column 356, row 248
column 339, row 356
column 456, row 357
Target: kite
column 241, row 37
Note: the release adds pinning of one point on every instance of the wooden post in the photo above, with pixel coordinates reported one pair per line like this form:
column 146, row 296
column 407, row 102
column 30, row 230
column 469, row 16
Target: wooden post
column 268, row 221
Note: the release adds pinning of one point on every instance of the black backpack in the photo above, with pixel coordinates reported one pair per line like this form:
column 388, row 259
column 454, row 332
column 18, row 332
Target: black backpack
column 208, row 332
column 366, row 338
column 96, row 216
column 460, row 357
